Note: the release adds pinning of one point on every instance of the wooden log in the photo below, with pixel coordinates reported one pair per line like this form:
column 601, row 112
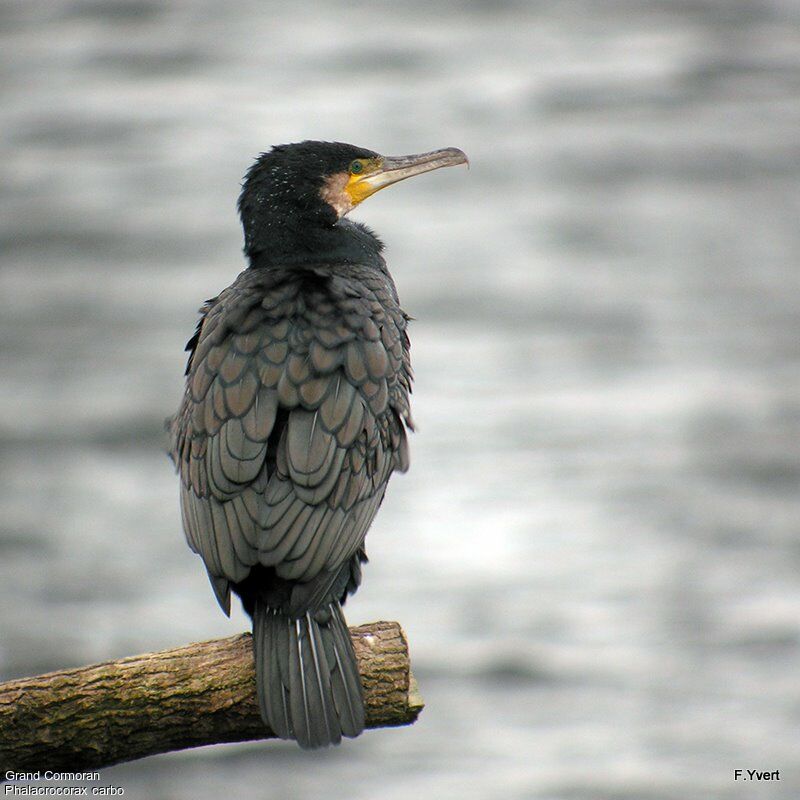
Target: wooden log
column 202, row 694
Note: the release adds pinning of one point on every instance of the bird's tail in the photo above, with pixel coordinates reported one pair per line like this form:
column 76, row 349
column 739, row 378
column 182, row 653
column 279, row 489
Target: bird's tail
column 309, row 687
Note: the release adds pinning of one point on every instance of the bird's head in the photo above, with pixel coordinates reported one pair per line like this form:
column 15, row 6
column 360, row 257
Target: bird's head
column 312, row 185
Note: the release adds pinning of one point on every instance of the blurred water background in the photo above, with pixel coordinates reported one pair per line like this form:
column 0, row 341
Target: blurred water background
column 595, row 554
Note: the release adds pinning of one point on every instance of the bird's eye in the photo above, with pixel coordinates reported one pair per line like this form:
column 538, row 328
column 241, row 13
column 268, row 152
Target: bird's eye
column 356, row 167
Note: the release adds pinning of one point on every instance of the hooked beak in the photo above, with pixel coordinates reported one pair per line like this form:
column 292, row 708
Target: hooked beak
column 391, row 169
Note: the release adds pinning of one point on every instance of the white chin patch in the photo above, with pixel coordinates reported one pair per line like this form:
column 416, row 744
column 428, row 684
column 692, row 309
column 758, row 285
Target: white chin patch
column 333, row 193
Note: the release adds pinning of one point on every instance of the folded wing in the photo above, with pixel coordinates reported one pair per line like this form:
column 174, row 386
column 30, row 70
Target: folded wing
column 293, row 419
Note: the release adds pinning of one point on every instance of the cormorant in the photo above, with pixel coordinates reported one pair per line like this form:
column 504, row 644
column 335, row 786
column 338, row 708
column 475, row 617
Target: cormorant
column 293, row 418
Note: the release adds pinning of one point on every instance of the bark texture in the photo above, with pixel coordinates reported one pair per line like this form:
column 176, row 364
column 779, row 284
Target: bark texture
column 202, row 694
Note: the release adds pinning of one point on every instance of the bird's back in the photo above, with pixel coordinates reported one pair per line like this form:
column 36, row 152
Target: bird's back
column 297, row 387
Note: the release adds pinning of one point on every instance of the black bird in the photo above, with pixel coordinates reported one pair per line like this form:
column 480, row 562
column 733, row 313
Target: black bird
column 293, row 418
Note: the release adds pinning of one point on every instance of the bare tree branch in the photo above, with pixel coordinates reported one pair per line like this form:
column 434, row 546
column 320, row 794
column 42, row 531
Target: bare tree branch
column 201, row 694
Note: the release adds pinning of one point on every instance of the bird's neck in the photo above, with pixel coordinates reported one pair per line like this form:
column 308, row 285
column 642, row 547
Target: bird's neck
column 283, row 244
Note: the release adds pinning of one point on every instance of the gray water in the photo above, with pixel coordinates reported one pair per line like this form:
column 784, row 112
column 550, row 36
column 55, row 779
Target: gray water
column 595, row 554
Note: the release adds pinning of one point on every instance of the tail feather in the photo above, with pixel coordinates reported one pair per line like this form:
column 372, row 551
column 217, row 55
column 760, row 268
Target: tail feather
column 272, row 695
column 346, row 683
column 307, row 676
